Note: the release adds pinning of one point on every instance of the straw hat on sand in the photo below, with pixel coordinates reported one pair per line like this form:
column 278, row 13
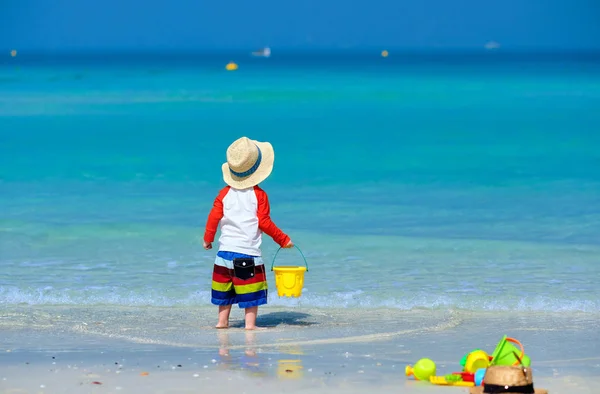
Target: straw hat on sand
column 507, row 380
column 249, row 162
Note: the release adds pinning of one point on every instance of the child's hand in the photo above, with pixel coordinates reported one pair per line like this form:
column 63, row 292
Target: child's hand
column 207, row 245
column 290, row 244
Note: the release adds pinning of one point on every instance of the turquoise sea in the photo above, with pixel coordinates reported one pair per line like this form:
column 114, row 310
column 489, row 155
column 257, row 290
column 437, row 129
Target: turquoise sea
column 453, row 181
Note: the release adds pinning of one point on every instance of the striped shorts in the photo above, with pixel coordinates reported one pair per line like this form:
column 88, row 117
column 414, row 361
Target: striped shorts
column 227, row 289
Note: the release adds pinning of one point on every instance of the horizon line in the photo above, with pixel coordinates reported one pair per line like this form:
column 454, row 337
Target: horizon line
column 307, row 51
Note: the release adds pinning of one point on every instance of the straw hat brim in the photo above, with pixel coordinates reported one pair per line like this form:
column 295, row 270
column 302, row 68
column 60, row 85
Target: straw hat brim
column 479, row 390
column 262, row 172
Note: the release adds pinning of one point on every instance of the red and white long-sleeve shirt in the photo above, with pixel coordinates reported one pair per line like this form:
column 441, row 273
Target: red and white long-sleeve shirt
column 244, row 215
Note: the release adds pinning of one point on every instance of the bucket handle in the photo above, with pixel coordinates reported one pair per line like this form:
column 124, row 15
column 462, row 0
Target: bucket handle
column 302, row 254
column 516, row 342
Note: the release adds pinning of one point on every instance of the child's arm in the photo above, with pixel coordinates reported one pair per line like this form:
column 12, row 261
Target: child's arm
column 266, row 224
column 214, row 217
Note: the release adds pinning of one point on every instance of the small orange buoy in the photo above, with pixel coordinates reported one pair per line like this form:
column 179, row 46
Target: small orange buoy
column 231, row 66
column 13, row 53
column 144, row 373
column 384, row 53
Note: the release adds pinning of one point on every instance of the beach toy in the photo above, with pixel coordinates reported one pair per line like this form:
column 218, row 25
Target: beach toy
column 463, row 361
column 289, row 280
column 465, row 376
column 423, row 369
column 231, row 66
column 476, row 360
column 507, row 354
column 479, row 374
column 450, row 380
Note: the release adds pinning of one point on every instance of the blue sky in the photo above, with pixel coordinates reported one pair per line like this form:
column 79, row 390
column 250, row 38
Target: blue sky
column 66, row 25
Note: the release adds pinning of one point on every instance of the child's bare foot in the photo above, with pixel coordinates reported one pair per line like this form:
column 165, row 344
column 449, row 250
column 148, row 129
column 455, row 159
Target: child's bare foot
column 223, row 320
column 256, row 328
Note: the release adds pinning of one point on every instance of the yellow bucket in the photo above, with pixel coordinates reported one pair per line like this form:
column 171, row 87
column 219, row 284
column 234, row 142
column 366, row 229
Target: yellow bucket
column 289, row 280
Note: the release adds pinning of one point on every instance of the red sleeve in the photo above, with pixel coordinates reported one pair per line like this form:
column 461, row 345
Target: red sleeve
column 264, row 219
column 215, row 216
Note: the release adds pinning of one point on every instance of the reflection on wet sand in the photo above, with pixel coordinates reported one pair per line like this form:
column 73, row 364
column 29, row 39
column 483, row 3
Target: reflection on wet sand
column 290, row 368
column 249, row 360
column 252, row 360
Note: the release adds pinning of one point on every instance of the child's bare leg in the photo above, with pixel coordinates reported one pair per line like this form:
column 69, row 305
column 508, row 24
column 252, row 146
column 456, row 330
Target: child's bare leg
column 224, row 311
column 251, row 318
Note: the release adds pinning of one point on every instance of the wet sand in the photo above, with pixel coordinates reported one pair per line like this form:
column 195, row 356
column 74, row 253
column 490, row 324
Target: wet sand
column 135, row 350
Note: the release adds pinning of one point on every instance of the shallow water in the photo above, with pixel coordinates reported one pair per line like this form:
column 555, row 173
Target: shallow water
column 456, row 182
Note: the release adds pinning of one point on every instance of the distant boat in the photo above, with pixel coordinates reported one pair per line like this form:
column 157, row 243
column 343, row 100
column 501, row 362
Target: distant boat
column 265, row 52
column 492, row 45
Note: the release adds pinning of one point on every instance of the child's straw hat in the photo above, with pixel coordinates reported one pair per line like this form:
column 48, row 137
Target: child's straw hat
column 249, row 163
column 507, row 380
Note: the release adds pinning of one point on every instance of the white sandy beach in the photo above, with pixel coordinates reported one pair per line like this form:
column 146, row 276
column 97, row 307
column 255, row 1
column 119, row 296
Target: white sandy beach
column 134, row 351
column 99, row 379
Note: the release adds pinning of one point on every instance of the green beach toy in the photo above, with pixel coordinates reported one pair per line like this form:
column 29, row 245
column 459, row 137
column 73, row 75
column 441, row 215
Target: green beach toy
column 423, row 369
column 507, row 354
column 453, row 378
